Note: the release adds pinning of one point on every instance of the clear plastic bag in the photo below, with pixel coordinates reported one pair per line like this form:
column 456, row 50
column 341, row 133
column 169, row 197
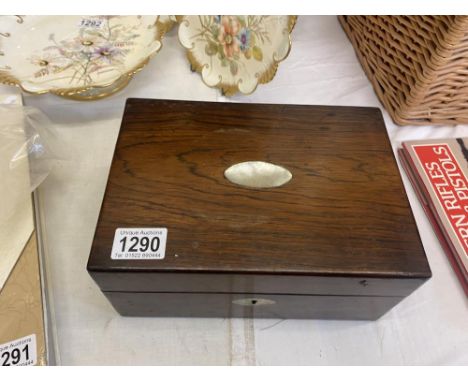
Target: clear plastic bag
column 26, row 157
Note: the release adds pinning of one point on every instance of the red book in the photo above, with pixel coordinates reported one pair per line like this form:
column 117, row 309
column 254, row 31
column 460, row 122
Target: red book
column 438, row 171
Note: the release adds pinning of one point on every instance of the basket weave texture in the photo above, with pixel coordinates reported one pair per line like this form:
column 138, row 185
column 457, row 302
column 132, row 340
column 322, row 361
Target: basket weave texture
column 418, row 65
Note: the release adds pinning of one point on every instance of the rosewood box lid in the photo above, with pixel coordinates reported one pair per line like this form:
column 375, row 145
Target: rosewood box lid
column 344, row 213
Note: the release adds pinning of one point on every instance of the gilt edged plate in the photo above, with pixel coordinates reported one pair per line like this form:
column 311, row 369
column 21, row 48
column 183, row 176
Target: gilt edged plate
column 236, row 53
column 80, row 57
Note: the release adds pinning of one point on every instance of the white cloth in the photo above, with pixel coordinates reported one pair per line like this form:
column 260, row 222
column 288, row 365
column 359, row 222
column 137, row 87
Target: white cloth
column 428, row 327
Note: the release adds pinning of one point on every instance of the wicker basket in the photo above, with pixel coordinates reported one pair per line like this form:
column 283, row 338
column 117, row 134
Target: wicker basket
column 418, row 65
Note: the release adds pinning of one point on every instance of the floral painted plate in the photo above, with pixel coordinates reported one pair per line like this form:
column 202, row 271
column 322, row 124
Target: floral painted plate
column 79, row 57
column 236, row 53
column 168, row 21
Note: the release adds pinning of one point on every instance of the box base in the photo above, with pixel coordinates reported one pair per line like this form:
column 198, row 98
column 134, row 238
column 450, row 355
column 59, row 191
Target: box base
column 251, row 306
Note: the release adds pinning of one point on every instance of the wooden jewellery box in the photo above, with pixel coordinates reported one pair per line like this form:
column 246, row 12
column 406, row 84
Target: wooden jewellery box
column 182, row 232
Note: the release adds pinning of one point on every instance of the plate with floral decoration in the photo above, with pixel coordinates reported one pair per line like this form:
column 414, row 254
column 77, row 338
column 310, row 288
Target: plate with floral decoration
column 236, row 53
column 79, row 57
column 168, row 22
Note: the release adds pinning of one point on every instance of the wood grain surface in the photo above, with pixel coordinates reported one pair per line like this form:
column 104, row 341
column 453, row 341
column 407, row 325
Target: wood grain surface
column 343, row 214
column 221, row 305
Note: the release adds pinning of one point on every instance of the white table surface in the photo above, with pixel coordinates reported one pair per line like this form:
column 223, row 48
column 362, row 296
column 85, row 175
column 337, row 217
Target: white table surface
column 428, row 327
